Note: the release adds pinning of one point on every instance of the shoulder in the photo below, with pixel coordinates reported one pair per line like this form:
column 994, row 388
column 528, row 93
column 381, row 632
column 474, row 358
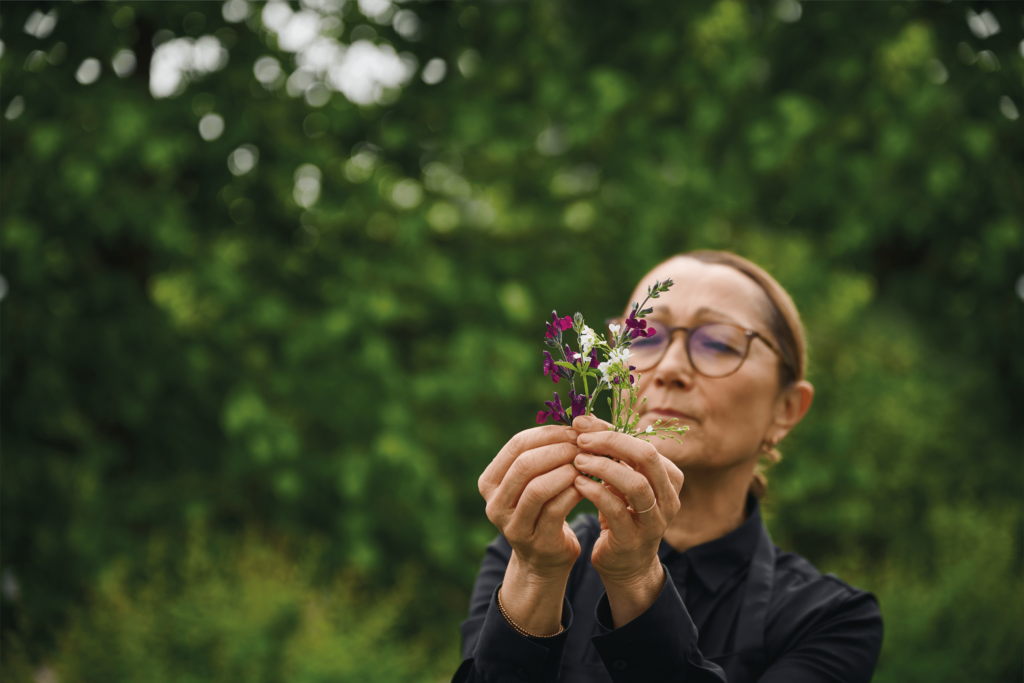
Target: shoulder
column 806, row 602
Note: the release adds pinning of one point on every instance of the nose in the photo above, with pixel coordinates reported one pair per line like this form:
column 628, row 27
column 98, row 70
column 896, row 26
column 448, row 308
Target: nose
column 674, row 368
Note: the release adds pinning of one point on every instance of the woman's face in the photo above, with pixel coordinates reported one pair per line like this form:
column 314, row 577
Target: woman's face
column 729, row 417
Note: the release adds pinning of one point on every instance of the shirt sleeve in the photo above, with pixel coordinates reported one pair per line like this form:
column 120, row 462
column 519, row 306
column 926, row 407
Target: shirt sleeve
column 492, row 650
column 660, row 644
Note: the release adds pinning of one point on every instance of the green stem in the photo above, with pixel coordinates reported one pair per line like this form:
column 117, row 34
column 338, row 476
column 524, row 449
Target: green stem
column 586, row 393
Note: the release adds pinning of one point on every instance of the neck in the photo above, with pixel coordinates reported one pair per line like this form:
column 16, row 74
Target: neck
column 713, row 503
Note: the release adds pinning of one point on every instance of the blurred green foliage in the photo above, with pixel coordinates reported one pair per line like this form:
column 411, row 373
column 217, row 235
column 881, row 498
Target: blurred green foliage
column 247, row 612
column 334, row 355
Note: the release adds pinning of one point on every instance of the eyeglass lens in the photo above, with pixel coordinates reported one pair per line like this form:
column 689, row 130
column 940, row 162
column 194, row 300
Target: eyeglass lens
column 715, row 350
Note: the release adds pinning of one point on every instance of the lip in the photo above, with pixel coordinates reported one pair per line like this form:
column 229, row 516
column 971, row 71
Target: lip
column 670, row 413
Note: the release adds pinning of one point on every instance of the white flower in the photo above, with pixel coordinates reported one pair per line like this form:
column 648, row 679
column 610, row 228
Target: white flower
column 587, row 339
column 576, row 356
column 603, row 368
column 650, row 429
column 615, row 328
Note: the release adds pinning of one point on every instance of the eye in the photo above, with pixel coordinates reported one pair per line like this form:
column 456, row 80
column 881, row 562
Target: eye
column 647, row 342
column 719, row 347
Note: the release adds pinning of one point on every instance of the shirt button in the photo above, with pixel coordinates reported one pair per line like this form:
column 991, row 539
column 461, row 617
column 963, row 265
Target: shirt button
column 619, row 664
column 521, row 673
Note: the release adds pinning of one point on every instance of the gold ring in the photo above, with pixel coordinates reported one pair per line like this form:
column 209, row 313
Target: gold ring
column 648, row 509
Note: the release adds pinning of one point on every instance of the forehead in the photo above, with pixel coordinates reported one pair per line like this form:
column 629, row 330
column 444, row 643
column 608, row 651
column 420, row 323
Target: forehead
column 704, row 285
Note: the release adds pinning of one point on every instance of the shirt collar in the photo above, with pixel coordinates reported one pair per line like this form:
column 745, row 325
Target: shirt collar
column 716, row 561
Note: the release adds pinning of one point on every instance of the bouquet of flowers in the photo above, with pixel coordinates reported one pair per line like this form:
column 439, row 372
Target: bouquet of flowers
column 611, row 371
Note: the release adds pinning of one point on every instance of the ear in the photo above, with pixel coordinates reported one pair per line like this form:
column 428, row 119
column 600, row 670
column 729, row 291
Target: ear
column 790, row 407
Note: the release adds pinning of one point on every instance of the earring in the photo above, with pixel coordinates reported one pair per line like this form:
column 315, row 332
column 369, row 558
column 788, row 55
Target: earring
column 768, row 445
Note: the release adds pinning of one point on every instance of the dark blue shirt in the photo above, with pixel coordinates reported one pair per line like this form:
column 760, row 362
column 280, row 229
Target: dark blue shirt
column 734, row 609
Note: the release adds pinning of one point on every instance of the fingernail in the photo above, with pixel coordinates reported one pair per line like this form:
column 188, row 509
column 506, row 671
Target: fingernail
column 581, row 422
column 581, row 480
column 582, row 459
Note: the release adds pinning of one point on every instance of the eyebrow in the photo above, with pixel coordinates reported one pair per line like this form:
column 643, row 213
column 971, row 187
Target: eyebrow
column 704, row 312
column 708, row 312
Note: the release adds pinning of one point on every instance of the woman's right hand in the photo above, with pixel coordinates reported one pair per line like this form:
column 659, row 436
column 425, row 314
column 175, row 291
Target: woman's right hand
column 529, row 492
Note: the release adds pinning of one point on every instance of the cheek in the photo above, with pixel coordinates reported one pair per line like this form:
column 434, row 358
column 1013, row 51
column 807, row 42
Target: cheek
column 738, row 414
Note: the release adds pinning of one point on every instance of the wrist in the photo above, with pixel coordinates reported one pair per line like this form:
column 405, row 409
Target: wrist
column 533, row 599
column 650, row 572
column 632, row 595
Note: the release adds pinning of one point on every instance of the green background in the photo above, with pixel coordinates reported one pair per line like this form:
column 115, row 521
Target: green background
column 242, row 429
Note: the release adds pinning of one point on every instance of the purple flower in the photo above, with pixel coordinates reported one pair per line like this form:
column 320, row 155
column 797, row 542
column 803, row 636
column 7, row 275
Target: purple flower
column 550, row 368
column 593, row 358
column 553, row 369
column 558, row 325
column 637, row 327
column 555, row 411
column 579, row 403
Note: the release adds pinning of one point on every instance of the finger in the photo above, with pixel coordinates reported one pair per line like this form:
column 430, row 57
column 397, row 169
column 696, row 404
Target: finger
column 527, row 467
column 590, row 423
column 632, row 484
column 525, row 440
column 619, row 520
column 553, row 514
column 639, row 454
column 536, row 495
column 675, row 475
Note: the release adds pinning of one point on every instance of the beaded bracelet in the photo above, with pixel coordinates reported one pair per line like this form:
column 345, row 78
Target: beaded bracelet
column 518, row 629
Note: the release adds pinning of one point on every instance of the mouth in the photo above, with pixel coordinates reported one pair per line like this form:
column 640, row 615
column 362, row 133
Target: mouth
column 667, row 414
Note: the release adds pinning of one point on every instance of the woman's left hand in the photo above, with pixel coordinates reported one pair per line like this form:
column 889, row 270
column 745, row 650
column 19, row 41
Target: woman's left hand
column 626, row 553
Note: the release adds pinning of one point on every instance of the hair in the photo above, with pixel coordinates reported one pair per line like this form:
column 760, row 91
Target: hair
column 784, row 326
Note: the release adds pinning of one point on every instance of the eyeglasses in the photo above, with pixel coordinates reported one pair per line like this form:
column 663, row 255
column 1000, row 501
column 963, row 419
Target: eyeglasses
column 714, row 349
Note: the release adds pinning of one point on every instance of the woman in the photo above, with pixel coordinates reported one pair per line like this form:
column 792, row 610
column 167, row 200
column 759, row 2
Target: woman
column 671, row 582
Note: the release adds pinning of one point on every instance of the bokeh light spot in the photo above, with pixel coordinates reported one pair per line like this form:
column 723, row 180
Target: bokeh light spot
column 443, row 217
column 407, row 24
column 15, row 108
column 364, row 161
column 434, row 71
column 41, row 25
column 88, row 71
column 307, row 185
column 235, row 11
column 243, row 159
column 936, row 71
column 124, row 63
column 211, row 126
column 407, row 194
column 267, row 70
column 982, row 25
column 36, row 61
column 788, row 11
column 1008, row 108
column 468, row 62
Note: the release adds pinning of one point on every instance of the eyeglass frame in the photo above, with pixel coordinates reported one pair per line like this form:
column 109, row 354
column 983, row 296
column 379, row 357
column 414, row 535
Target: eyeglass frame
column 749, row 334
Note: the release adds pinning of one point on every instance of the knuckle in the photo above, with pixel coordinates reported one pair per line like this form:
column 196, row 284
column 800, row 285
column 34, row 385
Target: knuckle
column 517, row 443
column 637, row 485
column 497, row 519
column 533, row 494
column 521, row 466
